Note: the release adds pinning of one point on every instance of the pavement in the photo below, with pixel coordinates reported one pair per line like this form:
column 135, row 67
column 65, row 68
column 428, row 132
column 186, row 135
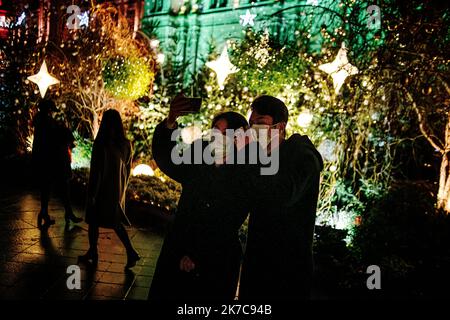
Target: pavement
column 34, row 263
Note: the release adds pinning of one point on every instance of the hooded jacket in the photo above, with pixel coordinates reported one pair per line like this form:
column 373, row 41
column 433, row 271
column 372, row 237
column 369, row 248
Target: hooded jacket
column 278, row 262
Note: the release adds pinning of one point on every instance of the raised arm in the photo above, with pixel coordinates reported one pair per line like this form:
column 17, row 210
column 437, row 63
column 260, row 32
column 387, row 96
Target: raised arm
column 163, row 145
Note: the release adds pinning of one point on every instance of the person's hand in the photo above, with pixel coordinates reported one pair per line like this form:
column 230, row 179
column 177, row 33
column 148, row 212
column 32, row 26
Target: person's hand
column 186, row 264
column 180, row 105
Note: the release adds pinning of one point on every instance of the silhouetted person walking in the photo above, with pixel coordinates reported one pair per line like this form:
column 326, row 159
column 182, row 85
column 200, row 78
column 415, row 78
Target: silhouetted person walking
column 110, row 170
column 51, row 161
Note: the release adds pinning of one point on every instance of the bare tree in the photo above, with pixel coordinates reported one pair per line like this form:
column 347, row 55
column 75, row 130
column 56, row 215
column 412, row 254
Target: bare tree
column 80, row 63
column 423, row 78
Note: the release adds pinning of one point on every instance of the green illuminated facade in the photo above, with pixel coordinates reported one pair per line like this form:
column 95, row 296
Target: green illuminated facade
column 198, row 25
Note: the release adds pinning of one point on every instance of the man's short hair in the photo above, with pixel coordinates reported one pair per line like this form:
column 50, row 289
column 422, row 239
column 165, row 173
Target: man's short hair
column 270, row 106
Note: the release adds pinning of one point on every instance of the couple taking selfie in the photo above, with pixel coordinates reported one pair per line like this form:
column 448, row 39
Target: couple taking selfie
column 202, row 257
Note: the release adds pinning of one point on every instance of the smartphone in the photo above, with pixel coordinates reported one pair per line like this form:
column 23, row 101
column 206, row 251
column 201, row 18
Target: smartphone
column 194, row 105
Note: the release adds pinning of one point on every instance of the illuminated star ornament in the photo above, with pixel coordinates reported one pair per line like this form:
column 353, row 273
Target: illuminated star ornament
column 84, row 19
column 248, row 19
column 339, row 69
column 43, row 79
column 222, row 67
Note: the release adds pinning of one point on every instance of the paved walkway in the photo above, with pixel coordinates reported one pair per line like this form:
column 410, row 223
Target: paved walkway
column 33, row 264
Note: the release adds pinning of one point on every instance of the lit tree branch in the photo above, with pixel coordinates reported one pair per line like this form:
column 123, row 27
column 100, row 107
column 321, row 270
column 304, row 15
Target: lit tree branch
column 434, row 141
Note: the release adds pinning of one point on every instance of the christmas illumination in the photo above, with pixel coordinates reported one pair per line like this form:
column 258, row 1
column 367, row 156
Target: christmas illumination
column 160, row 58
column 312, row 2
column 4, row 23
column 222, row 67
column 43, row 79
column 84, row 19
column 339, row 69
column 328, row 150
column 21, row 19
column 143, row 170
column 304, row 119
column 248, row 19
column 154, row 43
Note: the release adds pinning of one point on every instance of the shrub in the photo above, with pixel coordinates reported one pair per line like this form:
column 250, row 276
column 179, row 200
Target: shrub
column 145, row 189
column 408, row 238
column 154, row 191
column 81, row 154
column 127, row 78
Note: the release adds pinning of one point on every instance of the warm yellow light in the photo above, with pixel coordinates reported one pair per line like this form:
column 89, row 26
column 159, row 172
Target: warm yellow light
column 43, row 79
column 154, row 43
column 304, row 119
column 222, row 67
column 144, row 170
column 339, row 69
column 160, row 58
column 30, row 140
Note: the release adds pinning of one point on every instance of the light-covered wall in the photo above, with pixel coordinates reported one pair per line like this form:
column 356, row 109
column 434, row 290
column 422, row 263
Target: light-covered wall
column 202, row 25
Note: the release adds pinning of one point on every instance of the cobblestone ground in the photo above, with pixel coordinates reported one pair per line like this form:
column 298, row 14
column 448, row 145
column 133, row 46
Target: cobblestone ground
column 33, row 264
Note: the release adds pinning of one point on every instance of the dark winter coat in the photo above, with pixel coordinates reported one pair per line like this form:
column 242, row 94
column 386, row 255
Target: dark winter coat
column 205, row 229
column 108, row 180
column 278, row 260
column 52, row 144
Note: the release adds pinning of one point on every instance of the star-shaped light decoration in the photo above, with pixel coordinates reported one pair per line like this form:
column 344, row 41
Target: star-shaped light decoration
column 84, row 19
column 339, row 69
column 248, row 19
column 222, row 67
column 43, row 79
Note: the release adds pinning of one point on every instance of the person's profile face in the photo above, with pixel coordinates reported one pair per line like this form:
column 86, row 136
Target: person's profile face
column 256, row 118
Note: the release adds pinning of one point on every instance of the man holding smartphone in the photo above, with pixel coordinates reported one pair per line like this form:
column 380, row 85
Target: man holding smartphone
column 278, row 262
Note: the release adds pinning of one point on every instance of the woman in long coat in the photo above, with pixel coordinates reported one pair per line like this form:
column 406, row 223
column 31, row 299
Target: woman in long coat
column 110, row 170
column 201, row 254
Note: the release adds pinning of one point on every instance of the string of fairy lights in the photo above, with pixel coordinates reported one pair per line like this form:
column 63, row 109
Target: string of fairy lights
column 222, row 71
